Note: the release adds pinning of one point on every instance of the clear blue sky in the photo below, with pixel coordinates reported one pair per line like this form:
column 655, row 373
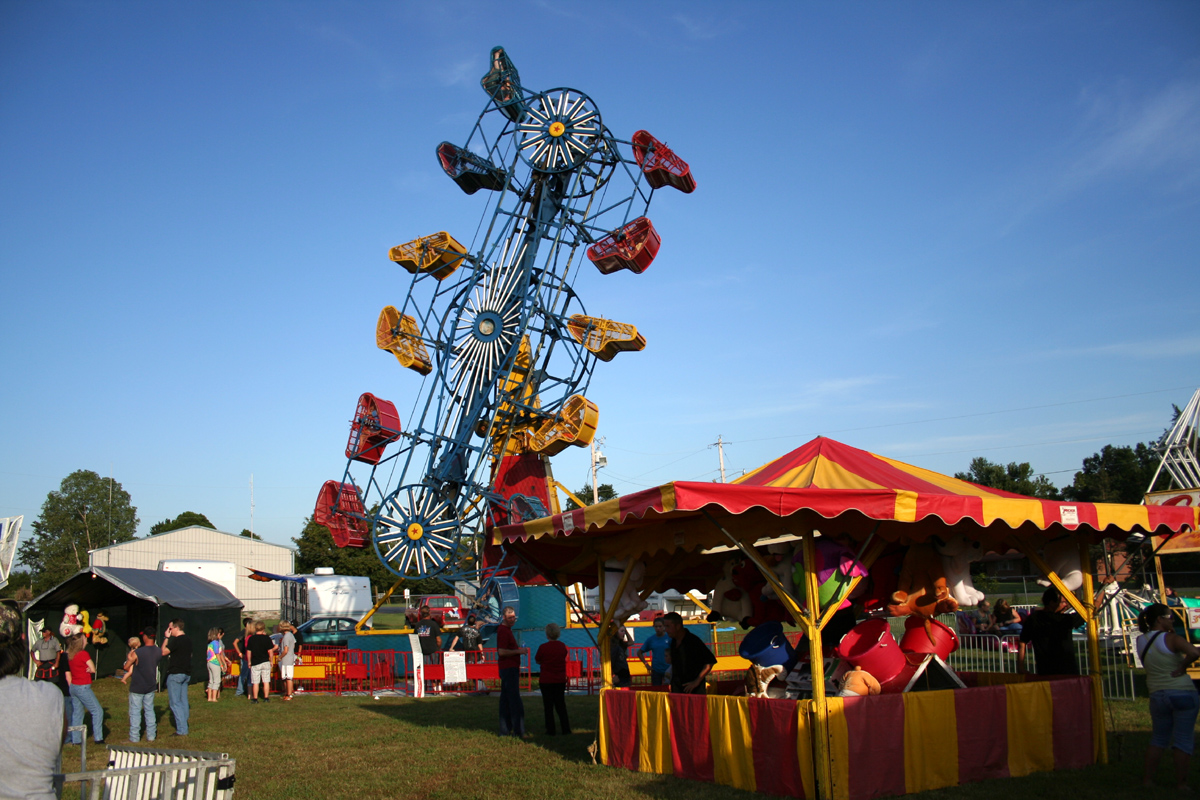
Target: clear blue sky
column 930, row 230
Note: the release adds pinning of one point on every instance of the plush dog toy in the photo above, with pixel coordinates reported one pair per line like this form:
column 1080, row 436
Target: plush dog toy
column 1062, row 556
column 69, row 621
column 100, row 628
column 922, row 586
column 957, row 554
column 630, row 602
column 730, row 602
column 859, row 682
column 759, row 678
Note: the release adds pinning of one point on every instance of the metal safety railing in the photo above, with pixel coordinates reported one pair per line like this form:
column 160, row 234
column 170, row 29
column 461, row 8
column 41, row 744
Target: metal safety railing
column 136, row 773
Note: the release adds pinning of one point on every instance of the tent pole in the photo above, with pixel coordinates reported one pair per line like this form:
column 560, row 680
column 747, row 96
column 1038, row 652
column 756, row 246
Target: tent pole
column 1077, row 606
column 1093, row 637
column 867, row 562
column 603, row 643
column 607, row 618
column 816, row 656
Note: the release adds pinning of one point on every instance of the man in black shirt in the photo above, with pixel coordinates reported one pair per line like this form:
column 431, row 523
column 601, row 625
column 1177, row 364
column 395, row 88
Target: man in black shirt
column 143, row 682
column 691, row 660
column 178, row 648
column 260, row 648
column 1049, row 629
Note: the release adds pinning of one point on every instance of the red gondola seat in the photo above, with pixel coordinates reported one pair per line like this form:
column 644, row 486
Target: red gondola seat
column 375, row 425
column 340, row 509
column 632, row 246
column 660, row 164
column 471, row 172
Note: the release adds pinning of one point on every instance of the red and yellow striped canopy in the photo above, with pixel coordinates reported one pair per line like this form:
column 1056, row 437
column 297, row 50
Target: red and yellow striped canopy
column 823, row 485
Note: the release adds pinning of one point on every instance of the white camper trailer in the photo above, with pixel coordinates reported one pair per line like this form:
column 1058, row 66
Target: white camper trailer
column 222, row 573
column 324, row 594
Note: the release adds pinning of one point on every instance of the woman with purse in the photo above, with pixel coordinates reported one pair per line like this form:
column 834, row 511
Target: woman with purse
column 1174, row 702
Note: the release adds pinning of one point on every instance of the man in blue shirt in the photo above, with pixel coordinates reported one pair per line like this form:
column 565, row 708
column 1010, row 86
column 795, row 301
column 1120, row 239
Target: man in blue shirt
column 657, row 645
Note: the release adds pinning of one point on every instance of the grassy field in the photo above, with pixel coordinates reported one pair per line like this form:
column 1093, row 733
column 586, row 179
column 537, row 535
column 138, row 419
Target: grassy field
column 357, row 747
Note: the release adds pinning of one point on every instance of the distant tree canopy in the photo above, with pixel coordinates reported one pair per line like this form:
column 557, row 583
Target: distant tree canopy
column 76, row 518
column 1019, row 478
column 1114, row 475
column 249, row 534
column 184, row 520
column 604, row 490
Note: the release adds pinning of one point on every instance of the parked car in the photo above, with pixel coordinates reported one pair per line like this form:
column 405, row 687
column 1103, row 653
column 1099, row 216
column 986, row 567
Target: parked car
column 327, row 631
column 444, row 608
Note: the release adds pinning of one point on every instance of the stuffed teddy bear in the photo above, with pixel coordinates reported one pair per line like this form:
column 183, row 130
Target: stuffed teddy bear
column 1062, row 556
column 630, row 602
column 922, row 586
column 729, row 602
column 100, row 628
column 957, row 554
column 70, row 619
column 859, row 683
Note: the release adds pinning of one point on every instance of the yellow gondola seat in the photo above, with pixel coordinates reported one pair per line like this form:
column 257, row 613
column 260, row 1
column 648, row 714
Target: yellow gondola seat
column 401, row 337
column 438, row 254
column 605, row 337
column 575, row 424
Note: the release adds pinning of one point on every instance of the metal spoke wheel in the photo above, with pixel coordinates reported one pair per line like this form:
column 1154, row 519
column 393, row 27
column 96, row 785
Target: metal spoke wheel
column 416, row 532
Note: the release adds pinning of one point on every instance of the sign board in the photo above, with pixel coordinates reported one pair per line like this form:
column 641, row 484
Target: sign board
column 1193, row 618
column 1186, row 542
column 455, row 664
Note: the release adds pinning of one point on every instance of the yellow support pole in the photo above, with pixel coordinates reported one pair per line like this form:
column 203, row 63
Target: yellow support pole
column 606, row 619
column 358, row 626
column 1093, row 636
column 1031, row 552
column 867, row 561
column 816, row 655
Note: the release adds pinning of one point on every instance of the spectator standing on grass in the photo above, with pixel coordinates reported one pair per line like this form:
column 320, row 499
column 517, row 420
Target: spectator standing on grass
column 260, row 648
column 239, row 646
column 691, row 660
column 29, row 751
column 619, row 655
column 1174, row 703
column 1048, row 630
column 657, row 645
column 508, row 652
column 287, row 657
column 80, row 672
column 47, row 652
column 143, row 681
column 469, row 637
column 216, row 662
column 552, row 680
column 430, row 633
column 177, row 646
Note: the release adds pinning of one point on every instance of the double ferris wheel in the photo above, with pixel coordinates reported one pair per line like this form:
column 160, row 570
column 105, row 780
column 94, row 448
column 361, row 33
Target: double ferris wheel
column 500, row 339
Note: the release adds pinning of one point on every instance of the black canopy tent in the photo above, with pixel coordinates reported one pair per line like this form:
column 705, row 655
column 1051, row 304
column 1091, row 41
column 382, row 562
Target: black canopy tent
column 134, row 599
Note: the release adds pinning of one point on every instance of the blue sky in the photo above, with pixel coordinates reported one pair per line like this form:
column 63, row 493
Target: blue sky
column 930, row 230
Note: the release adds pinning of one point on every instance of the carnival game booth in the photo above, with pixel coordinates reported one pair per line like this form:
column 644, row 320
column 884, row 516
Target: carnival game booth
column 892, row 518
column 131, row 600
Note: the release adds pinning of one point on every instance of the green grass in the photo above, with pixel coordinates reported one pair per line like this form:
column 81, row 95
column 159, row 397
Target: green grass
column 359, row 748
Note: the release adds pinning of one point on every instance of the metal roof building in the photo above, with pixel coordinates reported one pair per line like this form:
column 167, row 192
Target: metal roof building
column 205, row 544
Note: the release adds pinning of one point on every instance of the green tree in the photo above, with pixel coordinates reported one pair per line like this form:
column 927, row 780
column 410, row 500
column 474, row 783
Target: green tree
column 315, row 548
column 1018, row 478
column 19, row 582
column 1114, row 475
column 76, row 518
column 604, row 490
column 184, row 520
column 249, row 534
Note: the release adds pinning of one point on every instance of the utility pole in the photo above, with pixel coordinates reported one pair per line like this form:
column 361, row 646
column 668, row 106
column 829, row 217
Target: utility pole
column 252, row 504
column 598, row 462
column 720, row 445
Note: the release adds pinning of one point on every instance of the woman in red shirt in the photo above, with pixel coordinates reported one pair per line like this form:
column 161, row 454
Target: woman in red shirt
column 81, row 668
column 552, row 680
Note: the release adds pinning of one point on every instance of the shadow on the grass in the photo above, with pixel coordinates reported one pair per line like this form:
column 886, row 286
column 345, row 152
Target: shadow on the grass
column 481, row 714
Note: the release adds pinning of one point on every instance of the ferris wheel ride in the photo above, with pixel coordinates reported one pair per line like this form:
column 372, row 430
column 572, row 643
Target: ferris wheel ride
column 496, row 330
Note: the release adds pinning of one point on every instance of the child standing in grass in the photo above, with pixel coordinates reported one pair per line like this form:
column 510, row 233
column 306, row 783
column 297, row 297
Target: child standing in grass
column 218, row 664
column 130, row 658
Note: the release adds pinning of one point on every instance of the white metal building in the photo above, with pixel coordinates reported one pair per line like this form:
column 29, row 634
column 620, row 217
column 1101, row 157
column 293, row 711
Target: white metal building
column 200, row 543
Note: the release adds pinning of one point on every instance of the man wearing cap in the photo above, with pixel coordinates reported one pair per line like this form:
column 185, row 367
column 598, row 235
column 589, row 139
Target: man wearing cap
column 47, row 651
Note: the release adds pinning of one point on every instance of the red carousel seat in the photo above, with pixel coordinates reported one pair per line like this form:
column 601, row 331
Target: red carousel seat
column 632, row 246
column 471, row 172
column 660, row 164
column 375, row 425
column 340, row 509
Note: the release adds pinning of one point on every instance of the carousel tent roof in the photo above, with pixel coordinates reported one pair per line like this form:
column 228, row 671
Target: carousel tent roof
column 823, row 485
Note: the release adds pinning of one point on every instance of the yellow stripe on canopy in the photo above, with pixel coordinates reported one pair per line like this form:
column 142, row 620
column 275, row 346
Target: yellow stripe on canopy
column 952, row 485
column 1014, row 512
column 732, row 749
column 1123, row 516
column 906, row 507
column 832, row 475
